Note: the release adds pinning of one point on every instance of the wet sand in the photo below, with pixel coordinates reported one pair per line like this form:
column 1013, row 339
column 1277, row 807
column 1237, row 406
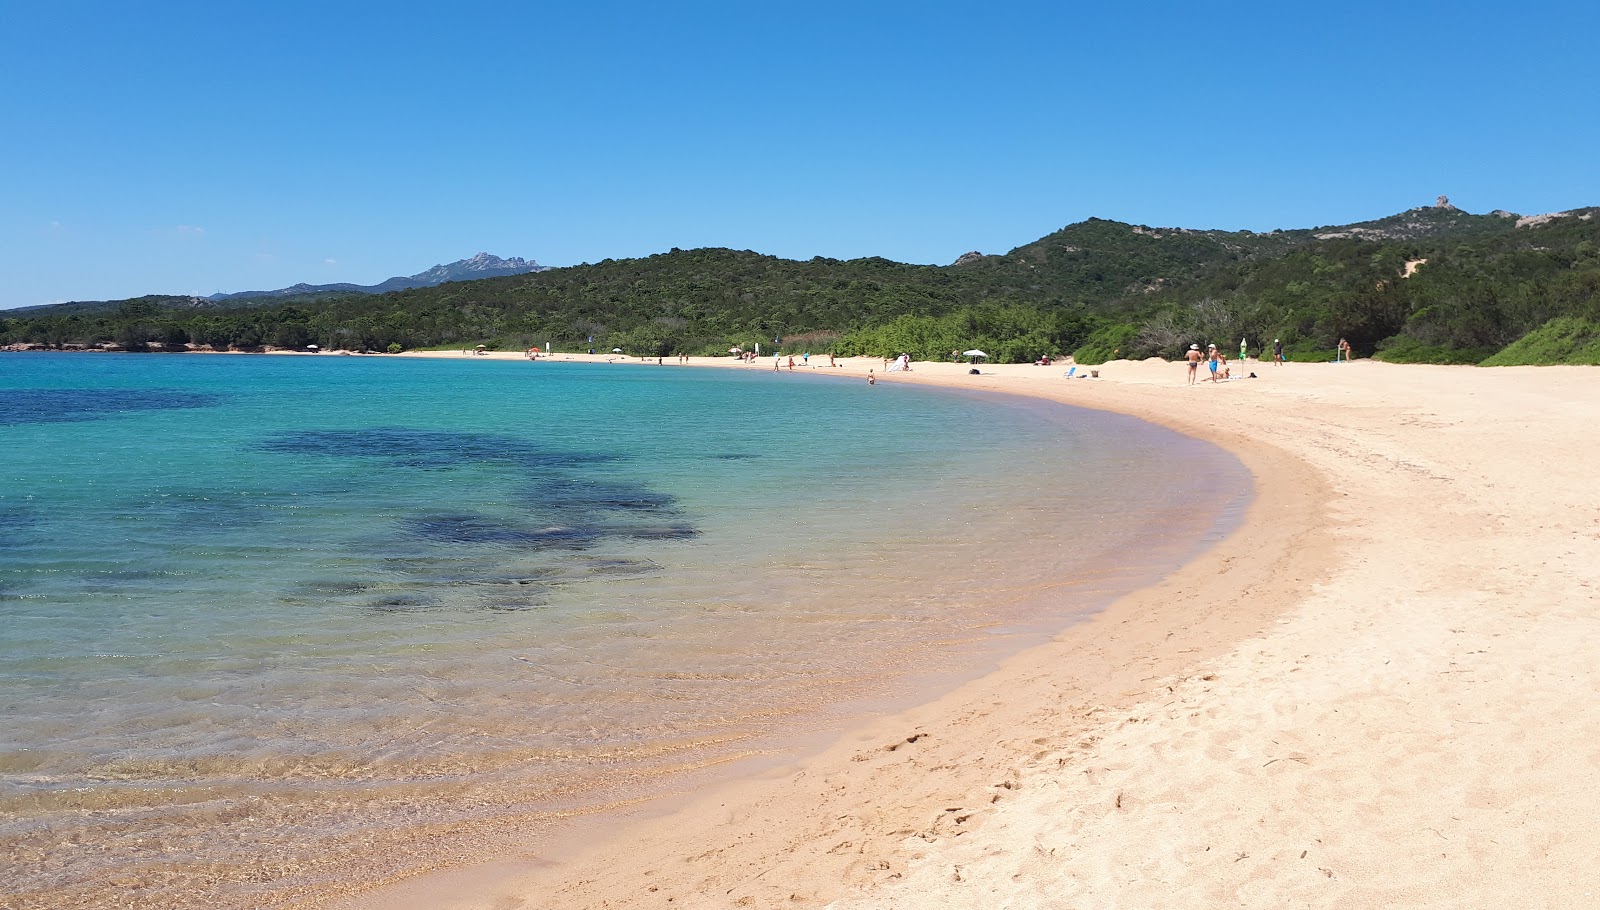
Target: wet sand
column 1374, row 694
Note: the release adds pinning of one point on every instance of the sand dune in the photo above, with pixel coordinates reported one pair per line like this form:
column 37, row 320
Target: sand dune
column 1376, row 694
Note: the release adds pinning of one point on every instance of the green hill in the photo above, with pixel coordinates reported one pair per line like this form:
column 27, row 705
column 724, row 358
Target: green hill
column 1431, row 284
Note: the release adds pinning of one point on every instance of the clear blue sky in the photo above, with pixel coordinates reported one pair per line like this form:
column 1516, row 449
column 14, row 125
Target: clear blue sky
column 196, row 147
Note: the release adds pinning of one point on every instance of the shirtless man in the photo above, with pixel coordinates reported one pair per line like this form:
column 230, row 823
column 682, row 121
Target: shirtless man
column 1194, row 363
column 1212, row 361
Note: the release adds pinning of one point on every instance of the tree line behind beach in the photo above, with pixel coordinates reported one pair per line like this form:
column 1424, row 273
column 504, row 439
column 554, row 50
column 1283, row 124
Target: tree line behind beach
column 1433, row 285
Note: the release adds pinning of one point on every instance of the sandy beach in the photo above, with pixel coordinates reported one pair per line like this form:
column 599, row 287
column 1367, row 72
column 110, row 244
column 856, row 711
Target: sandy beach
column 1375, row 694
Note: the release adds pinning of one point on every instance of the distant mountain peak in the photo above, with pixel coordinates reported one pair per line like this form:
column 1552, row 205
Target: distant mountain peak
column 483, row 265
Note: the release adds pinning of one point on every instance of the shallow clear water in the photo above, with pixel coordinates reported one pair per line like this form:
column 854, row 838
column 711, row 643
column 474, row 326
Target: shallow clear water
column 265, row 621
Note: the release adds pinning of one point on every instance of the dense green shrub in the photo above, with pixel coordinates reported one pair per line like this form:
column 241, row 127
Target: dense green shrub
column 1565, row 339
column 1007, row 333
column 1404, row 349
column 1112, row 342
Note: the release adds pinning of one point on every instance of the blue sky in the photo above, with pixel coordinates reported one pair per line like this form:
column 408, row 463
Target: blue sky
column 196, row 147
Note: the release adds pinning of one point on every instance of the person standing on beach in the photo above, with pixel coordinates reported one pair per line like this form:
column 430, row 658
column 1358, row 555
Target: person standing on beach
column 1212, row 358
column 1344, row 350
column 777, row 363
column 1194, row 363
column 1277, row 352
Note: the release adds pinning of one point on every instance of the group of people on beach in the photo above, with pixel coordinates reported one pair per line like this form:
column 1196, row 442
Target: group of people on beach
column 805, row 361
column 1217, row 362
column 1214, row 359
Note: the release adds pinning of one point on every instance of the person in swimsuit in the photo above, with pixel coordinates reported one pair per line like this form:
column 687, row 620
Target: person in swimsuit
column 1194, row 363
column 1211, row 361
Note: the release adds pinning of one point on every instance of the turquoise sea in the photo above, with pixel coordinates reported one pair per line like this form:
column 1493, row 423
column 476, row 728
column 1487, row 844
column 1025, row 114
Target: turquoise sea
column 271, row 623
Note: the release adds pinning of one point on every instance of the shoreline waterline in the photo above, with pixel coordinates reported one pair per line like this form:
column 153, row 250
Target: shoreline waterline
column 1348, row 702
column 318, row 442
column 562, row 870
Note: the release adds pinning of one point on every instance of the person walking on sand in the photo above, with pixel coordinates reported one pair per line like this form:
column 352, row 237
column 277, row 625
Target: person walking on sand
column 1277, row 352
column 777, row 363
column 1194, row 363
column 791, row 363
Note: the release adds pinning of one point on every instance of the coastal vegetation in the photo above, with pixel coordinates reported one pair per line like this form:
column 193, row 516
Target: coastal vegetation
column 1434, row 285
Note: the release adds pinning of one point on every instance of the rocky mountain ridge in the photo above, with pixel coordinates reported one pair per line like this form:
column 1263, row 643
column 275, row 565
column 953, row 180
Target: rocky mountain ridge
column 483, row 265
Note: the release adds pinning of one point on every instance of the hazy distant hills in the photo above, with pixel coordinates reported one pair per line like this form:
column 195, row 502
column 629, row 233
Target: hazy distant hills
column 483, row 265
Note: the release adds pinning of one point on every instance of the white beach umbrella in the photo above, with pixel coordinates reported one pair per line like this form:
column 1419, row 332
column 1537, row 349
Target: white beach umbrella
column 616, row 350
column 974, row 354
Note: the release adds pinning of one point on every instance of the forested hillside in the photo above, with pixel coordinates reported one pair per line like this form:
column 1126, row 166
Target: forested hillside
column 1432, row 284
